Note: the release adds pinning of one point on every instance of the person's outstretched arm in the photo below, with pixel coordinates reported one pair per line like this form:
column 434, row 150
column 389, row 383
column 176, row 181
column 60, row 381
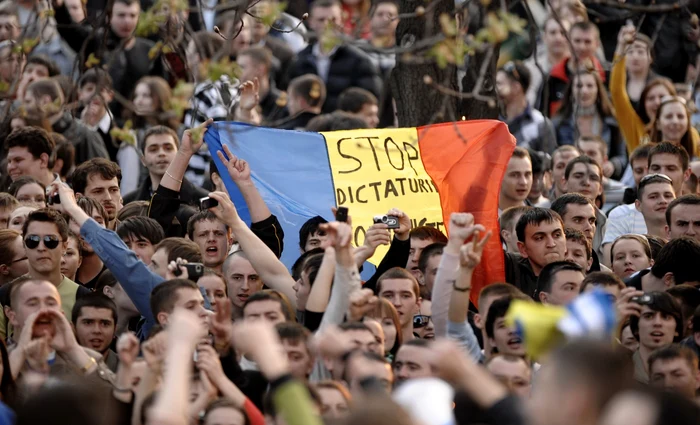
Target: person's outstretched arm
column 274, row 274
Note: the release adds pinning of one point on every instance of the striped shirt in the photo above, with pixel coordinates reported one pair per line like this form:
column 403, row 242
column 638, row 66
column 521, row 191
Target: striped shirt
column 624, row 220
column 210, row 100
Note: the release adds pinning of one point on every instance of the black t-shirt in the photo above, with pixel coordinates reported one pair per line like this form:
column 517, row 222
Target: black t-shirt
column 92, row 283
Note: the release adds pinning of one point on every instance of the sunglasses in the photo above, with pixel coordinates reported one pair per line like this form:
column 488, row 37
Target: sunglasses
column 50, row 241
column 420, row 321
column 653, row 176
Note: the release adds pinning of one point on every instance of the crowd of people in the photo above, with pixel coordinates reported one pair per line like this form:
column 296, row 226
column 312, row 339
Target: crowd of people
column 132, row 291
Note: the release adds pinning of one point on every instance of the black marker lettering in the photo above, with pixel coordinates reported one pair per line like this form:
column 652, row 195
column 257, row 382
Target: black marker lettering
column 388, row 155
column 390, row 187
column 416, row 156
column 357, row 194
column 376, row 190
column 346, row 156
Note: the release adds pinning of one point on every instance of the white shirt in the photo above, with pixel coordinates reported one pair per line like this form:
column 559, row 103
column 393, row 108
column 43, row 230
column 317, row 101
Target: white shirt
column 624, row 220
column 323, row 61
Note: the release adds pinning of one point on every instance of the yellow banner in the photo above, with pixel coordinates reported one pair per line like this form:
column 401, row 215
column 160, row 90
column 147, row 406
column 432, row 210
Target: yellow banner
column 377, row 170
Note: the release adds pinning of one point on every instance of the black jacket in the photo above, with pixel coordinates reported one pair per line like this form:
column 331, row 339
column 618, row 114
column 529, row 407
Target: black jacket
column 88, row 144
column 189, row 193
column 349, row 67
column 167, row 209
column 519, row 274
column 126, row 67
column 396, row 256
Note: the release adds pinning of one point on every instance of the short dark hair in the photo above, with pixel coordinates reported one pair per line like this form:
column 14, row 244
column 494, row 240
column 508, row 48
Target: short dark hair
column 678, row 257
column 690, row 199
column 164, row 296
column 498, row 309
column 47, row 215
column 181, row 248
column 159, row 130
column 44, row 61
column 602, row 279
column 641, row 152
column 323, row 3
column 335, row 121
column 507, row 218
column 498, row 289
column 261, row 55
column 95, row 300
column 309, row 86
column 656, row 244
column 578, row 237
column 429, row 252
column 672, row 352
column 100, row 166
column 671, row 149
column 518, row 72
column 90, row 205
column 666, row 304
column 581, row 159
column 534, row 217
column 141, row 227
column 560, row 205
column 35, row 139
column 428, row 233
column 292, row 331
column 696, row 320
column 98, row 77
column 46, row 87
column 300, row 262
column 549, row 273
column 353, row 99
column 399, row 273
column 602, row 144
column 651, row 179
column 268, row 296
column 64, row 151
column 199, row 217
column 105, row 279
column 309, row 228
column 689, row 298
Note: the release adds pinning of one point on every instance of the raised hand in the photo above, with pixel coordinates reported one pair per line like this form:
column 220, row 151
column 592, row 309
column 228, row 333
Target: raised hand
column 238, row 169
column 470, row 253
column 221, row 327
column 625, row 306
column 361, row 303
column 461, row 228
column 402, row 233
column 339, row 234
column 193, row 138
column 127, row 349
column 37, row 354
column 225, row 211
column 63, row 340
column 250, row 94
column 154, row 351
column 377, row 234
column 184, row 327
column 208, row 361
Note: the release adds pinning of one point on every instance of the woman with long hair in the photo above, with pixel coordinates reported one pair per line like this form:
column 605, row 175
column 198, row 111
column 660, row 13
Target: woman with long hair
column 385, row 313
column 672, row 124
column 634, row 121
column 586, row 111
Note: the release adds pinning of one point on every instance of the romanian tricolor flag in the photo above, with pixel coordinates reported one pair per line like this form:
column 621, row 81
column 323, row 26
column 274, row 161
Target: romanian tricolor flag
column 427, row 172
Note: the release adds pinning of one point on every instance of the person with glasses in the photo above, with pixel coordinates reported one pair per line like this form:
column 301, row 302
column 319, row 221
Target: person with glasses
column 13, row 259
column 530, row 128
column 45, row 234
column 654, row 194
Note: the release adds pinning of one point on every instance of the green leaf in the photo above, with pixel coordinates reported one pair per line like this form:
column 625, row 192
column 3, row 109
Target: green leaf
column 92, row 61
column 224, row 66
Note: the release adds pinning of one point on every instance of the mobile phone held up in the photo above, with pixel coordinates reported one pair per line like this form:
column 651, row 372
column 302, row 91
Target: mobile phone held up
column 194, row 271
column 207, row 202
column 341, row 214
column 391, row 221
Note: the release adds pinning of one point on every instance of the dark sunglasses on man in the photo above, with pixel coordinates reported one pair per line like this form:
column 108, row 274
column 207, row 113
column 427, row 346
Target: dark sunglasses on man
column 50, row 241
column 420, row 321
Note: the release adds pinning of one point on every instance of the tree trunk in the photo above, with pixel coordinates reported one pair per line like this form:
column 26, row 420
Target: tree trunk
column 416, row 102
